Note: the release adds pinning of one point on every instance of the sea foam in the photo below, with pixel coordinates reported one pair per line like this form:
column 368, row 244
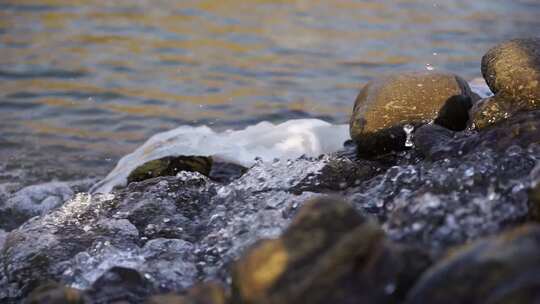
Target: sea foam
column 265, row 141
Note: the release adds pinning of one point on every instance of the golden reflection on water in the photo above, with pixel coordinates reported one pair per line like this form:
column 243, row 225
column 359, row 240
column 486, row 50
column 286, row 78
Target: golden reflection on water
column 152, row 64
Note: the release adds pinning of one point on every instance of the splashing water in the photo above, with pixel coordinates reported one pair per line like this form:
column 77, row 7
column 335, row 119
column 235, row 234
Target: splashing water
column 266, row 141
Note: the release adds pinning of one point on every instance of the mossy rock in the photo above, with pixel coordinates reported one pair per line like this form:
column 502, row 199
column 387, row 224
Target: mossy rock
column 329, row 254
column 385, row 105
column 170, row 166
column 504, row 269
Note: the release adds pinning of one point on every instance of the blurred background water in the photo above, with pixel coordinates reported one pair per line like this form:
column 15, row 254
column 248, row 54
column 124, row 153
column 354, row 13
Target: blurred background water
column 83, row 82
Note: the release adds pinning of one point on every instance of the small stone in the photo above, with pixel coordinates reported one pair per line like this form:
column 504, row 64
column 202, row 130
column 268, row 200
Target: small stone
column 170, row 166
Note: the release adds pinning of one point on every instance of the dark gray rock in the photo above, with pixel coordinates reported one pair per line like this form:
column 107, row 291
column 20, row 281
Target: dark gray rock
column 503, row 270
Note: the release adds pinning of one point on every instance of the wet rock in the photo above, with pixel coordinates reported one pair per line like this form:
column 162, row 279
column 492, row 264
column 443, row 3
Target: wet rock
column 120, row 285
column 469, row 185
column 170, row 166
column 175, row 229
column 384, row 106
column 501, row 269
column 433, row 140
column 491, row 110
column 328, row 254
column 512, row 70
column 534, row 202
column 54, row 293
column 204, row 293
column 31, row 201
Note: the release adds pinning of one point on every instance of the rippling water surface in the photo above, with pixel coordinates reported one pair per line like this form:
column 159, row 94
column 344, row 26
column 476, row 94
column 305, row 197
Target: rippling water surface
column 84, row 82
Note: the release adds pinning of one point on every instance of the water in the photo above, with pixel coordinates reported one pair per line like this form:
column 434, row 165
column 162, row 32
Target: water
column 83, row 83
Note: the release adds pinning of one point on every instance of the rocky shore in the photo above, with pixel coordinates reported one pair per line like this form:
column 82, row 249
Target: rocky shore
column 436, row 199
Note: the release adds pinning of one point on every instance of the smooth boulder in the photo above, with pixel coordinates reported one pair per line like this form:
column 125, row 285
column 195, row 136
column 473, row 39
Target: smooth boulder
column 386, row 105
column 329, row 254
column 512, row 71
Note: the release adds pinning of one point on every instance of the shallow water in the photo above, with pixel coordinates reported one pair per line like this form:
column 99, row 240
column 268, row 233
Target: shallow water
column 84, row 82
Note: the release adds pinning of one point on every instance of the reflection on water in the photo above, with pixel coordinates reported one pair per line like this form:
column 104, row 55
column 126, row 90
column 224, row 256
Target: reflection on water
column 83, row 81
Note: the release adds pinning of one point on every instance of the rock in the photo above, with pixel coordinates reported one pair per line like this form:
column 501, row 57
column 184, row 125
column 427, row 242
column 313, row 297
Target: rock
column 120, row 285
column 385, row 105
column 512, row 70
column 170, row 166
column 54, row 293
column 433, row 140
column 502, row 269
column 329, row 254
column 31, row 201
column 203, row 293
column 534, row 203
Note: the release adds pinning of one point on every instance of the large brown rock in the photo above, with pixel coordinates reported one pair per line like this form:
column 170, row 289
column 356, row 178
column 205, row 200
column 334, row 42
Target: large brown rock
column 385, row 105
column 512, row 71
column 329, row 254
column 503, row 270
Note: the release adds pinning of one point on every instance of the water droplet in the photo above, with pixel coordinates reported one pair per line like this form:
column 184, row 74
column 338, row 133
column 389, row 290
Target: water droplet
column 390, row 288
column 408, row 132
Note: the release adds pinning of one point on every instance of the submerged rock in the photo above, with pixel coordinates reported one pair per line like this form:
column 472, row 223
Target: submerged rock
column 502, row 269
column 329, row 254
column 385, row 105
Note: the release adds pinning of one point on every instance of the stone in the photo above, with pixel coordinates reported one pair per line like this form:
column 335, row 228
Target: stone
column 329, row 254
column 170, row 166
column 501, row 269
column 512, row 69
column 534, row 203
column 54, row 293
column 120, row 284
column 203, row 293
column 385, row 105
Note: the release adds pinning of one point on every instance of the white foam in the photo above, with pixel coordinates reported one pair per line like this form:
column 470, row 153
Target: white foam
column 288, row 140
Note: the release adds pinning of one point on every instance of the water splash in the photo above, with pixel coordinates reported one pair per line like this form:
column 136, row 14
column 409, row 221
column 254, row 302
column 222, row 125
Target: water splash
column 266, row 141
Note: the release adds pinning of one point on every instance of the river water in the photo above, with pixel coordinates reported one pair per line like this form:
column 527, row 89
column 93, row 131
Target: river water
column 84, row 82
